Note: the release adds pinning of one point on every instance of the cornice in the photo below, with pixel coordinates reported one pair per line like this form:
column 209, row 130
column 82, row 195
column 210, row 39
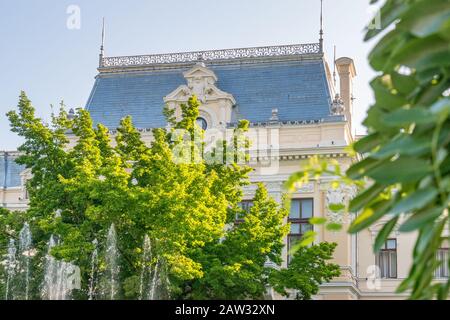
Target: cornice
column 153, row 62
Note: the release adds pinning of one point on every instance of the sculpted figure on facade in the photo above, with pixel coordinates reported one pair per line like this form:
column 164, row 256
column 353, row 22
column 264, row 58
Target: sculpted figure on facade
column 338, row 196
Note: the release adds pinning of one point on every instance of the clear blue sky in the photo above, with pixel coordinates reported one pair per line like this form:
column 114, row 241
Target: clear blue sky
column 40, row 55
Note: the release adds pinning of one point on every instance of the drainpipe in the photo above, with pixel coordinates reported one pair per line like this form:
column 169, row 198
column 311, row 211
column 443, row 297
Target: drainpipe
column 5, row 155
column 357, row 260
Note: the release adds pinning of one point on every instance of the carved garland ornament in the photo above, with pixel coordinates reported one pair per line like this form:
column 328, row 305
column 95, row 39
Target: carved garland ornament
column 341, row 195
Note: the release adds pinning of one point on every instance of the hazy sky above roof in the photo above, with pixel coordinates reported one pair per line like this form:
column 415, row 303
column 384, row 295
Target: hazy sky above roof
column 41, row 55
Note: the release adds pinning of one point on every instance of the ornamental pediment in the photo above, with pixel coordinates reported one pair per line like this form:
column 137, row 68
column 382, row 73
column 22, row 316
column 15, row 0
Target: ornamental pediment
column 200, row 71
column 201, row 82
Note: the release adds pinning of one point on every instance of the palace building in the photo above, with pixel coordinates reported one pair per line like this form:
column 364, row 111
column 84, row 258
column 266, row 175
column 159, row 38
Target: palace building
column 290, row 95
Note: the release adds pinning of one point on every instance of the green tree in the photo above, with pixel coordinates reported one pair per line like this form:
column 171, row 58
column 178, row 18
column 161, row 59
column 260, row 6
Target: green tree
column 236, row 265
column 404, row 173
column 307, row 270
column 165, row 191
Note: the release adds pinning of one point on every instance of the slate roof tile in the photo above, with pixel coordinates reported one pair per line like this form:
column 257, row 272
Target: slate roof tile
column 298, row 89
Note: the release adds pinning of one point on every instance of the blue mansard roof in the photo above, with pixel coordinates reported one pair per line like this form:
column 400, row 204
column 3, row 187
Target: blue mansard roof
column 9, row 171
column 292, row 79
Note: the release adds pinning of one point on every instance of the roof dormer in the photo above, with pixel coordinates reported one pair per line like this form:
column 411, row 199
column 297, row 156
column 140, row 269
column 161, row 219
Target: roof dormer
column 216, row 105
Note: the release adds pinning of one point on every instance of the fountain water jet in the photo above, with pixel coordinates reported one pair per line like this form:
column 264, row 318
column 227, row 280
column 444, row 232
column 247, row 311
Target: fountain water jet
column 155, row 281
column 50, row 272
column 10, row 267
column 146, row 271
column 59, row 276
column 94, row 265
column 112, row 266
column 25, row 242
column 103, row 274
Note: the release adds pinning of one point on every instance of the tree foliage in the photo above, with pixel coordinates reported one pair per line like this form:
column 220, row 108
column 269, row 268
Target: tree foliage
column 166, row 191
column 404, row 172
column 236, row 266
column 307, row 269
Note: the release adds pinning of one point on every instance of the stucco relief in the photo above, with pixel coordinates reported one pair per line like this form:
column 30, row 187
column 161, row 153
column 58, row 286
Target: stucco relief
column 272, row 187
column 306, row 188
column 277, row 187
column 340, row 195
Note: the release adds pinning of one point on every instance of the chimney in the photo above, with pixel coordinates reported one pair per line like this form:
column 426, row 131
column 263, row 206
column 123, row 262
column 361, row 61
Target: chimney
column 347, row 71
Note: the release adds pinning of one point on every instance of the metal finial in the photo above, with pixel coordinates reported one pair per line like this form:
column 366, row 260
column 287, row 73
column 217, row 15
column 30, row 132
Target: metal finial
column 334, row 67
column 102, row 46
column 321, row 27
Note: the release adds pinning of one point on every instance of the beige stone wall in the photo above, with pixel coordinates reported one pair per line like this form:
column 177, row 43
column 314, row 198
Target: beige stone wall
column 13, row 199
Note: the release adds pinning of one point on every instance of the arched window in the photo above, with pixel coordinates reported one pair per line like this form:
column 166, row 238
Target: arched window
column 201, row 122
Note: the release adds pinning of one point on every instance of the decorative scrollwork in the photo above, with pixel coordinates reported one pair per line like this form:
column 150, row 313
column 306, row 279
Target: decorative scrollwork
column 226, row 54
column 342, row 195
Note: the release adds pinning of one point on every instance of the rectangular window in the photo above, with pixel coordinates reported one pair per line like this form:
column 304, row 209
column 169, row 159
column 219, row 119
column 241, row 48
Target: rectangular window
column 246, row 205
column 386, row 259
column 299, row 215
column 443, row 257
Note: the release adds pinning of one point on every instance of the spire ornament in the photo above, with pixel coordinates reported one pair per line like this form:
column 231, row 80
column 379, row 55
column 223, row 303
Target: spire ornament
column 334, row 67
column 102, row 46
column 321, row 27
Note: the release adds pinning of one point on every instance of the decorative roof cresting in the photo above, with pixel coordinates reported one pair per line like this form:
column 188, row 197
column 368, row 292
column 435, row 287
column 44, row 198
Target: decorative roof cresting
column 211, row 55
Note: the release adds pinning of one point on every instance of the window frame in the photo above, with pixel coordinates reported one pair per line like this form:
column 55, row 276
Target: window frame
column 300, row 221
column 204, row 122
column 444, row 267
column 387, row 254
column 238, row 220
